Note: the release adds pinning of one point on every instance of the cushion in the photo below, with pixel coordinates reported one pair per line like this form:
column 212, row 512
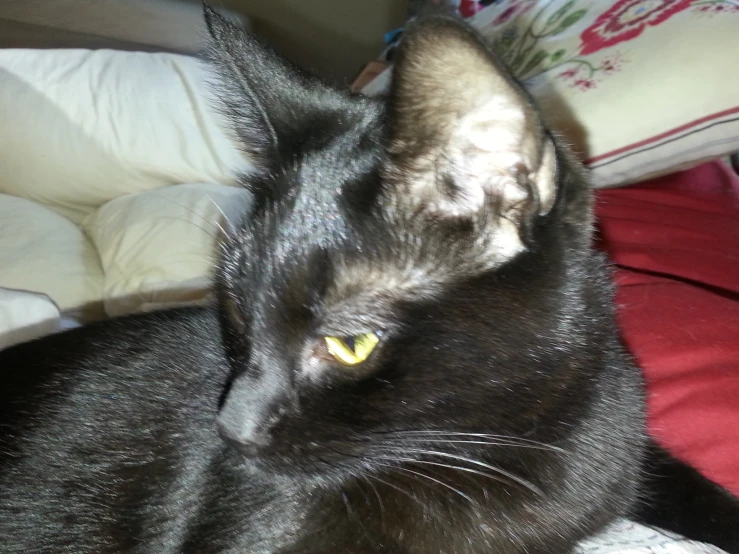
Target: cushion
column 676, row 243
column 82, row 127
column 158, row 246
column 25, row 316
column 640, row 87
column 44, row 252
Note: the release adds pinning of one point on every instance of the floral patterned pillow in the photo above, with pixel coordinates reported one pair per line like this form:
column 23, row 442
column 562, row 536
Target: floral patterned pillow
column 640, row 87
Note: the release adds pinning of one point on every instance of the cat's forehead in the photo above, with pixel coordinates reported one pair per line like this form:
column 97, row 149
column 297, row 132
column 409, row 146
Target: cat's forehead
column 320, row 208
column 371, row 260
column 362, row 264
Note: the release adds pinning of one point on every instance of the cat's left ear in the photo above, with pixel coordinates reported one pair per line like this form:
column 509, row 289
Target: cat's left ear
column 271, row 102
column 465, row 135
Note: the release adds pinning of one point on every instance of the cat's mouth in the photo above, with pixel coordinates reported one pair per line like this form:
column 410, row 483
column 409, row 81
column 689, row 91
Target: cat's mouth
column 328, row 464
column 483, row 458
column 302, row 459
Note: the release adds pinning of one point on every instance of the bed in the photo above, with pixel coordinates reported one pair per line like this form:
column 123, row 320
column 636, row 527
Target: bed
column 673, row 233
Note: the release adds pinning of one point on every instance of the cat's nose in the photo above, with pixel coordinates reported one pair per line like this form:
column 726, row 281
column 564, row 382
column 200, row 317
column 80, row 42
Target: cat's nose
column 249, row 433
column 248, row 426
column 250, row 446
column 252, row 410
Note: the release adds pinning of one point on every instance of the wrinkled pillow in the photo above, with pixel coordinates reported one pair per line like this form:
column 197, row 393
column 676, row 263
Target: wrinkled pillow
column 42, row 251
column 159, row 246
column 640, row 87
column 82, row 127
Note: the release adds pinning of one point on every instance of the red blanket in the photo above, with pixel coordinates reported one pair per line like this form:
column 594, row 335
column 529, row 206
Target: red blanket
column 675, row 241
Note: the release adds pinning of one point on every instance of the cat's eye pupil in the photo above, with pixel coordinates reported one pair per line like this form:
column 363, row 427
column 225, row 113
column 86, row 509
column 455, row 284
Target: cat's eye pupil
column 352, row 350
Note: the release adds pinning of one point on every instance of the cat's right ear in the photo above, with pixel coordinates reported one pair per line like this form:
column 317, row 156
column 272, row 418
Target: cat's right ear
column 269, row 100
column 464, row 135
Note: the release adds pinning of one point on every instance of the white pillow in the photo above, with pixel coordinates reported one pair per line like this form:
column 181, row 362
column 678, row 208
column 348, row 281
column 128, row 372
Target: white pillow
column 159, row 246
column 639, row 88
column 25, row 316
column 44, row 252
column 82, row 127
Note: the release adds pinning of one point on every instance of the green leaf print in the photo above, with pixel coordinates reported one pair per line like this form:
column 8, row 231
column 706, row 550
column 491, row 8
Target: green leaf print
column 570, row 20
column 558, row 55
column 556, row 16
column 540, row 56
column 504, row 43
column 516, row 63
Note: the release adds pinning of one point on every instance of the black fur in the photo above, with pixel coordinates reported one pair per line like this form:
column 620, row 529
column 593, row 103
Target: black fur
column 499, row 413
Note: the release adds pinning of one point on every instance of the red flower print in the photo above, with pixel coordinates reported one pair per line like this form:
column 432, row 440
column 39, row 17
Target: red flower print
column 584, row 84
column 612, row 64
column 516, row 8
column 719, row 8
column 505, row 16
column 468, row 8
column 626, row 20
column 569, row 73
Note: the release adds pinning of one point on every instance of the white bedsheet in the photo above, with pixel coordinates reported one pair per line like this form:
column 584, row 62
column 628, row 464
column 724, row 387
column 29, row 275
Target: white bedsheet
column 627, row 537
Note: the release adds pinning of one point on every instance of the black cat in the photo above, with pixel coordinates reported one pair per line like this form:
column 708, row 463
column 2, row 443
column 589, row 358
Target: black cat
column 413, row 351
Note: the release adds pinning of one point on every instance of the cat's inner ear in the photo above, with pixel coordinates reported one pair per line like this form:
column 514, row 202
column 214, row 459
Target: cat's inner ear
column 464, row 135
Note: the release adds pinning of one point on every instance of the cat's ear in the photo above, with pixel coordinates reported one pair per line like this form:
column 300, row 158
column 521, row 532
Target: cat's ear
column 269, row 100
column 464, row 134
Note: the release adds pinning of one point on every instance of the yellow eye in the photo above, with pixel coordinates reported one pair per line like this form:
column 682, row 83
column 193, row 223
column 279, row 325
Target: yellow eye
column 352, row 350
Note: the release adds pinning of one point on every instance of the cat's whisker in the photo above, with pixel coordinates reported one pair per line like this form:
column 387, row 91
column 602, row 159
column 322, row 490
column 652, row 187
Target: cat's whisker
column 399, row 489
column 521, row 481
column 364, row 495
column 350, row 512
column 440, row 432
column 347, row 505
column 206, row 231
column 438, row 481
column 438, row 473
column 226, row 220
column 162, row 218
column 502, row 438
column 377, row 494
column 367, row 476
column 456, row 468
column 206, row 220
column 488, row 443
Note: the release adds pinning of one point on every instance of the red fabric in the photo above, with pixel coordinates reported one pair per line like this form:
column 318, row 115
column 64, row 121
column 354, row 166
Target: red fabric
column 676, row 243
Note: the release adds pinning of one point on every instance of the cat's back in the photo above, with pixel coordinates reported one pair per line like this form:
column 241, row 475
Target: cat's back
column 128, row 360
column 108, row 415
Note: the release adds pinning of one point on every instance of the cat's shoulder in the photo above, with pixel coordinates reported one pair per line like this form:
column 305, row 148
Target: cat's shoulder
column 182, row 344
column 120, row 333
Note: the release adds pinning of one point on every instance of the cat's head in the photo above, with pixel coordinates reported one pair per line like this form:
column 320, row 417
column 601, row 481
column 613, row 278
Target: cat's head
column 404, row 270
